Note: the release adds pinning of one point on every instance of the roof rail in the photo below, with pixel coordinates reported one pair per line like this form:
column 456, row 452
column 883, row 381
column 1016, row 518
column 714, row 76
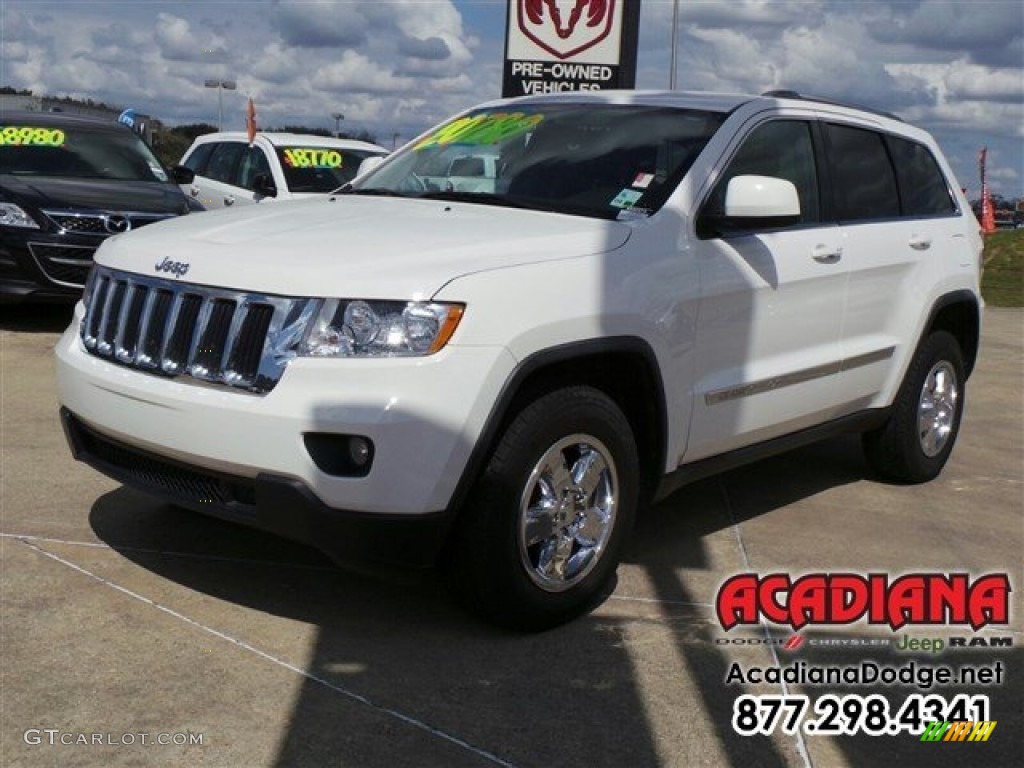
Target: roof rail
column 786, row 94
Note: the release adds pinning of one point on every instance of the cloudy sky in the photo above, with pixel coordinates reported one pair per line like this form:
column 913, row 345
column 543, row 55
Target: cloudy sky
column 955, row 67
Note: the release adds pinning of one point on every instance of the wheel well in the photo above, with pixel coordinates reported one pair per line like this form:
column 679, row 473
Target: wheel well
column 628, row 377
column 960, row 318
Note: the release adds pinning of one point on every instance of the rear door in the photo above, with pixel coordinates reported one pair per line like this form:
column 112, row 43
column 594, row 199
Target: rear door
column 899, row 224
column 218, row 187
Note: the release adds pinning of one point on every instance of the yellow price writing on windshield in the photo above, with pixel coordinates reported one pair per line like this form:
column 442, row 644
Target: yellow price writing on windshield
column 298, row 157
column 482, row 129
column 25, row 136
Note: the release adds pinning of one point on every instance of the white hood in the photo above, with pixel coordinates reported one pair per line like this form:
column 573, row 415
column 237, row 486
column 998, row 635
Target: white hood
column 355, row 246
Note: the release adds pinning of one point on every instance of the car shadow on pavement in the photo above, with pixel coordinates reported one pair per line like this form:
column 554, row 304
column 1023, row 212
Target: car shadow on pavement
column 395, row 660
column 36, row 318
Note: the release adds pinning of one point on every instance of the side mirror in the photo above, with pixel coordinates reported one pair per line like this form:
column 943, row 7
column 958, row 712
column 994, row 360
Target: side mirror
column 752, row 203
column 264, row 186
column 182, row 174
column 761, row 197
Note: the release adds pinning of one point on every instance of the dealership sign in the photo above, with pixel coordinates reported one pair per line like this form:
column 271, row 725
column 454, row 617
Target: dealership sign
column 570, row 45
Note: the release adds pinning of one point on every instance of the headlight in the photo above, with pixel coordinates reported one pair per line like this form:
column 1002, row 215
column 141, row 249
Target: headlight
column 12, row 215
column 356, row 328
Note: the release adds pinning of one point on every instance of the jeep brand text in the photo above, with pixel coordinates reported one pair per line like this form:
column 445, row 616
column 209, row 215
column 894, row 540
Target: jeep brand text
column 176, row 268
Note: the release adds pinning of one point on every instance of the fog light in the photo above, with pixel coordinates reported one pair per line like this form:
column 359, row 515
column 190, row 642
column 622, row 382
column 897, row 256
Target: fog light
column 340, row 455
column 359, row 451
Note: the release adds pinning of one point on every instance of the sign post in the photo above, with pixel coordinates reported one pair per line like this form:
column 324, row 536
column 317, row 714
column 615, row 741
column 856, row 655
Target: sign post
column 570, row 45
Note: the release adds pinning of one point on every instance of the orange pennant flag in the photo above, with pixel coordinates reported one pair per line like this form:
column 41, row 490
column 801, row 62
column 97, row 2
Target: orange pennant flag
column 988, row 219
column 250, row 122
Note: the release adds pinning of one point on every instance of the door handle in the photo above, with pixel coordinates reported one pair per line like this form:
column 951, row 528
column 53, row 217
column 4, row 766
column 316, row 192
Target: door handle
column 920, row 242
column 229, row 200
column 825, row 254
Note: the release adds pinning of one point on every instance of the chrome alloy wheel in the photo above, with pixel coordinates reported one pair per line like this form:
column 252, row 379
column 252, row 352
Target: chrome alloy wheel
column 567, row 512
column 936, row 410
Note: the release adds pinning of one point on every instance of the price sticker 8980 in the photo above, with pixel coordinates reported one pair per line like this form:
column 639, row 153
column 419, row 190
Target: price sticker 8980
column 16, row 136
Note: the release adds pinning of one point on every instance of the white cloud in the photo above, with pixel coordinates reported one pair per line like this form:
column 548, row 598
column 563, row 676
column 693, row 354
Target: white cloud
column 178, row 41
column 358, row 74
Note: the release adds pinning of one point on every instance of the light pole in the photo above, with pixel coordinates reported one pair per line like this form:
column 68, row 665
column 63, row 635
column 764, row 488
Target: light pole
column 221, row 86
column 675, row 42
column 394, row 140
column 338, row 117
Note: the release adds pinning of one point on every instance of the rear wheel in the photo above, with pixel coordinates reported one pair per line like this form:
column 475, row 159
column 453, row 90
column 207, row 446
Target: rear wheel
column 543, row 531
column 914, row 444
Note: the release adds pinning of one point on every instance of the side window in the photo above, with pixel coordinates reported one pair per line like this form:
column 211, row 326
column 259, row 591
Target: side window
column 197, row 160
column 783, row 149
column 254, row 162
column 923, row 188
column 863, row 179
column 221, row 166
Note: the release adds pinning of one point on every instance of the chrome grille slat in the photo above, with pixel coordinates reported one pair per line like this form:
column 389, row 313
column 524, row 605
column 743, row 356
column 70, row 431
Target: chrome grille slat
column 165, row 327
column 155, row 328
column 94, row 315
column 180, row 342
column 244, row 363
column 105, row 337
column 208, row 358
column 128, row 333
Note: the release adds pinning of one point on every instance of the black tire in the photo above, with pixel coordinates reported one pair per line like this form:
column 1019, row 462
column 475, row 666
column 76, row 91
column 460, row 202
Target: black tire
column 904, row 449
column 495, row 571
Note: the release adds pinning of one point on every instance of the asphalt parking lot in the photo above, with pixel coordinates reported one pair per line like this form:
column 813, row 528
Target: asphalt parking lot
column 128, row 619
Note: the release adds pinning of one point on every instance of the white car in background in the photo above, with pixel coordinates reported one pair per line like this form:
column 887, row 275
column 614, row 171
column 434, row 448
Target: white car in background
column 277, row 166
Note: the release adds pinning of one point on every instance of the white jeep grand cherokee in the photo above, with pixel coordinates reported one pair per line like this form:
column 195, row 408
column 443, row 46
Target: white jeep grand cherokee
column 660, row 286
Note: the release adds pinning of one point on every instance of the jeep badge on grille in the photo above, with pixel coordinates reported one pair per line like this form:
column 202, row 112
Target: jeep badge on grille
column 176, row 268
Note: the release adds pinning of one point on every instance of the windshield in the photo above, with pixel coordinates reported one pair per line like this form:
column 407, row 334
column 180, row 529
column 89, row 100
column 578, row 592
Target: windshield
column 320, row 169
column 589, row 160
column 77, row 152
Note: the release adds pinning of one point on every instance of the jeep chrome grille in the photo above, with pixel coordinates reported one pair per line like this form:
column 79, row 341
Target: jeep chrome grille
column 168, row 328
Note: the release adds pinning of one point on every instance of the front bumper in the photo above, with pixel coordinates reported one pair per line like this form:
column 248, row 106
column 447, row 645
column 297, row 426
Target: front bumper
column 423, row 416
column 279, row 505
column 41, row 266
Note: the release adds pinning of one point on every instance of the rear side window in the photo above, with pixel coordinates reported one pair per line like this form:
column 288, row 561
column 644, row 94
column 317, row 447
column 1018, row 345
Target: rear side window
column 223, row 162
column 197, row 160
column 923, row 188
column 863, row 180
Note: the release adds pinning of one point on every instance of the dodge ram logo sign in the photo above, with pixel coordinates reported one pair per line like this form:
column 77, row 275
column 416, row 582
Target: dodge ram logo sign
column 570, row 45
column 564, row 28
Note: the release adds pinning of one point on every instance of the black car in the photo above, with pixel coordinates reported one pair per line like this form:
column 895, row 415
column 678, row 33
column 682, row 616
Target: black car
column 66, row 184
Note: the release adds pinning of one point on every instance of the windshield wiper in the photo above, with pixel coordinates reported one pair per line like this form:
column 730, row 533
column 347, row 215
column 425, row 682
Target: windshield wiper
column 372, row 191
column 484, row 198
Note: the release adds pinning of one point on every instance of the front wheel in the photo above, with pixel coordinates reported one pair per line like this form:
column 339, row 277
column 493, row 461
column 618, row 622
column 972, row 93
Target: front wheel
column 914, row 444
column 543, row 531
